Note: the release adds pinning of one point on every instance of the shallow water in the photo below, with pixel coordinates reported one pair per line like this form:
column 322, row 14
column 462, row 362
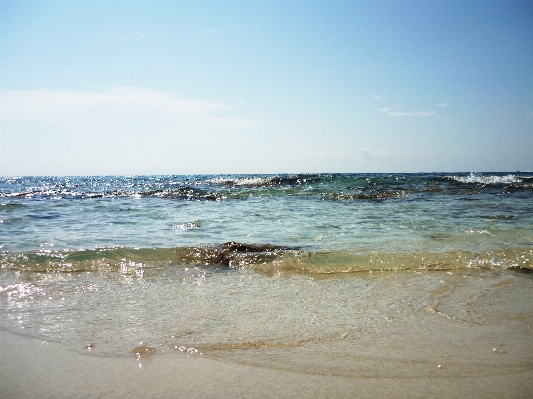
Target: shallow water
column 396, row 276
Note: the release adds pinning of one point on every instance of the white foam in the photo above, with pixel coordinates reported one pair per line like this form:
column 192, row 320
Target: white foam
column 245, row 181
column 187, row 226
column 254, row 181
column 478, row 178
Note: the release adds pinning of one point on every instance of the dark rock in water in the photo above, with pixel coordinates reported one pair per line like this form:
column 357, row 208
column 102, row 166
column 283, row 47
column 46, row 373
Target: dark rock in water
column 234, row 254
column 233, row 246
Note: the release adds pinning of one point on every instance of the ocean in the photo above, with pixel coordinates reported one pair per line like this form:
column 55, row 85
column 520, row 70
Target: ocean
column 341, row 275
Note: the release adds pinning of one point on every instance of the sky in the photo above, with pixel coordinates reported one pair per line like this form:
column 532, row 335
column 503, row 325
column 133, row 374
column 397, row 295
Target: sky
column 209, row 87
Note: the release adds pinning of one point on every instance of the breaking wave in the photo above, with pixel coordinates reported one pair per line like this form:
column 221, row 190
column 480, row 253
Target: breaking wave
column 267, row 259
column 493, row 179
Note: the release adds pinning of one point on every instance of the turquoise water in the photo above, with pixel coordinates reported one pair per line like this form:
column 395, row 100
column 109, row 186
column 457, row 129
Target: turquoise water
column 289, row 264
column 354, row 213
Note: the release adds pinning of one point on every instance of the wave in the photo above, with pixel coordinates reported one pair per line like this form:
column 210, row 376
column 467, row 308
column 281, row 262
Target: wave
column 181, row 193
column 492, row 179
column 267, row 259
column 330, row 187
column 245, row 181
column 198, row 194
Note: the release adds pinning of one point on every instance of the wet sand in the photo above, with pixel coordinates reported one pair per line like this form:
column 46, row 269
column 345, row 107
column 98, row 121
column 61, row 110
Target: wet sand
column 32, row 368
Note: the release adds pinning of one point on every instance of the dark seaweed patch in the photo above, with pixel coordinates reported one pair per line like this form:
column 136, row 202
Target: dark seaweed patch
column 234, row 254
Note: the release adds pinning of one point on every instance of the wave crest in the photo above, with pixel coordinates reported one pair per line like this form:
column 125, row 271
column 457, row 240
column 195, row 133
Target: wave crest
column 267, row 259
column 492, row 179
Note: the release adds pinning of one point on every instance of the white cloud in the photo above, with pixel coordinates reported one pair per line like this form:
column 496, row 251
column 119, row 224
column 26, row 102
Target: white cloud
column 122, row 107
column 376, row 97
column 442, row 105
column 388, row 112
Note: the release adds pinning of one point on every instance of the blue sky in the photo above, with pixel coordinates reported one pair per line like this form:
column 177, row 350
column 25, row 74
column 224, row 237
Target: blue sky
column 186, row 87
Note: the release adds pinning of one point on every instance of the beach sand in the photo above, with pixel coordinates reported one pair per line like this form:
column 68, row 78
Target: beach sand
column 31, row 368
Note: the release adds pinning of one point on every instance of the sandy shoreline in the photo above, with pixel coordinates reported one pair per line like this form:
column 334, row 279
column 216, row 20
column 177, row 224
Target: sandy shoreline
column 32, row 368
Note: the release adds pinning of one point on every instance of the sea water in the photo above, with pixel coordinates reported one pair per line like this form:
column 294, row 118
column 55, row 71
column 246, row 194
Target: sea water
column 351, row 275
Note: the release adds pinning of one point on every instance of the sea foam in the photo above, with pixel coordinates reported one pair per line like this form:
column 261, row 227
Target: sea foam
column 479, row 178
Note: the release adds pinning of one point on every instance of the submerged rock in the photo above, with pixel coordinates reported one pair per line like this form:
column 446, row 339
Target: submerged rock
column 233, row 246
column 234, row 254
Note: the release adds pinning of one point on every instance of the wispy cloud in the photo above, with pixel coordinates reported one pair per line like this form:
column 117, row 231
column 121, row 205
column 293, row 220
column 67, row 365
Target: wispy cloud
column 138, row 35
column 364, row 153
column 208, row 31
column 442, row 105
column 122, row 107
column 376, row 97
column 141, row 35
column 389, row 112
